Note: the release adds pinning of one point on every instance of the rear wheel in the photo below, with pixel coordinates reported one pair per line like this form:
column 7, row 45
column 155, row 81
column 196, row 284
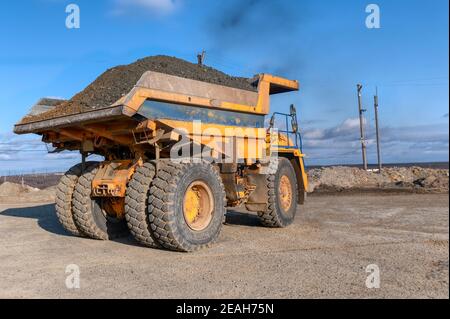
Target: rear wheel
column 136, row 205
column 186, row 205
column 64, row 194
column 98, row 218
column 282, row 194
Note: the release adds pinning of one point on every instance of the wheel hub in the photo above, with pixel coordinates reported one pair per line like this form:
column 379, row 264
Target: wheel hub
column 285, row 191
column 198, row 205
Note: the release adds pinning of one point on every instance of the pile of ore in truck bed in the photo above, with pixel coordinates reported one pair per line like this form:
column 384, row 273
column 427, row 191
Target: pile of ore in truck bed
column 118, row 81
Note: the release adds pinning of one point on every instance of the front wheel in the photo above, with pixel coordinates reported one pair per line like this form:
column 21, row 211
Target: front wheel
column 282, row 191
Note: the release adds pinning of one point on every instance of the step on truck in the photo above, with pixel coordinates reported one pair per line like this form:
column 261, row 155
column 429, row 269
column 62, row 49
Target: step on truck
column 177, row 152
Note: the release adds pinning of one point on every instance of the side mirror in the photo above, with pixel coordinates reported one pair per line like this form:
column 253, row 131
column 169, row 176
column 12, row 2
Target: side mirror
column 272, row 121
column 294, row 126
column 293, row 110
column 294, row 118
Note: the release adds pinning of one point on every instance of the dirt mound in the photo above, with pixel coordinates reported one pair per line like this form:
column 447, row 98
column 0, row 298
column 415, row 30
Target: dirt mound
column 13, row 189
column 10, row 192
column 118, row 81
column 44, row 195
column 416, row 179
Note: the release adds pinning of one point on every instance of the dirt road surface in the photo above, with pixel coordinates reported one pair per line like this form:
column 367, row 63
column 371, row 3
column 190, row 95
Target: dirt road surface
column 323, row 255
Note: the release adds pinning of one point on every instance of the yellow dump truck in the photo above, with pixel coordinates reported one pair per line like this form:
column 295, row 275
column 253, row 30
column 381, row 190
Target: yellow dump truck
column 176, row 152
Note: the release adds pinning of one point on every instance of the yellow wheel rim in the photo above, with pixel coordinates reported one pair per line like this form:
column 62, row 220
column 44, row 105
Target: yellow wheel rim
column 198, row 205
column 285, row 191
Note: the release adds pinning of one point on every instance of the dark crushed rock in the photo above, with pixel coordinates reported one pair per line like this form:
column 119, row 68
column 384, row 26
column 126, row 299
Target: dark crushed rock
column 51, row 102
column 118, row 81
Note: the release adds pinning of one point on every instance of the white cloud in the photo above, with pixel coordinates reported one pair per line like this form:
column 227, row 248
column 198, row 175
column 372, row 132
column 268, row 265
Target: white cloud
column 349, row 129
column 5, row 157
column 350, row 124
column 63, row 156
column 21, row 154
column 314, row 134
column 155, row 7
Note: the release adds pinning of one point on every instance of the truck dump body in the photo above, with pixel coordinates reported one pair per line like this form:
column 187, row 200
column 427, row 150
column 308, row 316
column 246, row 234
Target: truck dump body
column 159, row 97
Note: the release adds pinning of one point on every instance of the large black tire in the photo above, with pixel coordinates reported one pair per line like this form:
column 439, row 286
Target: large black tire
column 166, row 205
column 88, row 214
column 276, row 215
column 136, row 205
column 64, row 194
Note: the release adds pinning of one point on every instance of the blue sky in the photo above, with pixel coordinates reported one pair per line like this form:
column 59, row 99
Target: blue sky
column 324, row 44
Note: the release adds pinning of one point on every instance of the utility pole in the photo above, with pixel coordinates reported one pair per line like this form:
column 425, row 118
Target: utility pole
column 201, row 57
column 361, row 127
column 377, row 131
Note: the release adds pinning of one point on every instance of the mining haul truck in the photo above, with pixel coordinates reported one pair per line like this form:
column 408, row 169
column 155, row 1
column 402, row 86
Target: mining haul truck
column 148, row 187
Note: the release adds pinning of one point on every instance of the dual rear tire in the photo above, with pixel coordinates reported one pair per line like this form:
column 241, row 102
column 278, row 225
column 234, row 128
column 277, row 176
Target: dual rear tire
column 186, row 205
column 136, row 205
column 64, row 195
column 95, row 217
column 79, row 213
column 181, row 207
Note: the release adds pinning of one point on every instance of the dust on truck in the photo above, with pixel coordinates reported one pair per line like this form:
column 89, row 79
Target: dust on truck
column 142, row 186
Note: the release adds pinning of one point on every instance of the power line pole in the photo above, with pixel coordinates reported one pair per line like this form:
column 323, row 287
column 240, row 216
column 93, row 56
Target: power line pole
column 361, row 127
column 201, row 57
column 377, row 130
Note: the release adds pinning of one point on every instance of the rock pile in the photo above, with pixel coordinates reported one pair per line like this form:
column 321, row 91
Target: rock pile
column 118, row 81
column 415, row 179
column 13, row 192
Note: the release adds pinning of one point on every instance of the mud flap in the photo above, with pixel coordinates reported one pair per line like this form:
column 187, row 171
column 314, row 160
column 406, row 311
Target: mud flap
column 257, row 200
column 300, row 182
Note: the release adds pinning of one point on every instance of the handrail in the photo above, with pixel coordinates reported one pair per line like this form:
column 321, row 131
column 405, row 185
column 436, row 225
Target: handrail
column 298, row 135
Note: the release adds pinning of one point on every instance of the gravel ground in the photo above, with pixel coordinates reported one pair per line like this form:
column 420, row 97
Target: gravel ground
column 323, row 255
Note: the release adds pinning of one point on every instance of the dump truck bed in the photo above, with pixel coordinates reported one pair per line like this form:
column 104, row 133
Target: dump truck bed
column 94, row 116
column 198, row 97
